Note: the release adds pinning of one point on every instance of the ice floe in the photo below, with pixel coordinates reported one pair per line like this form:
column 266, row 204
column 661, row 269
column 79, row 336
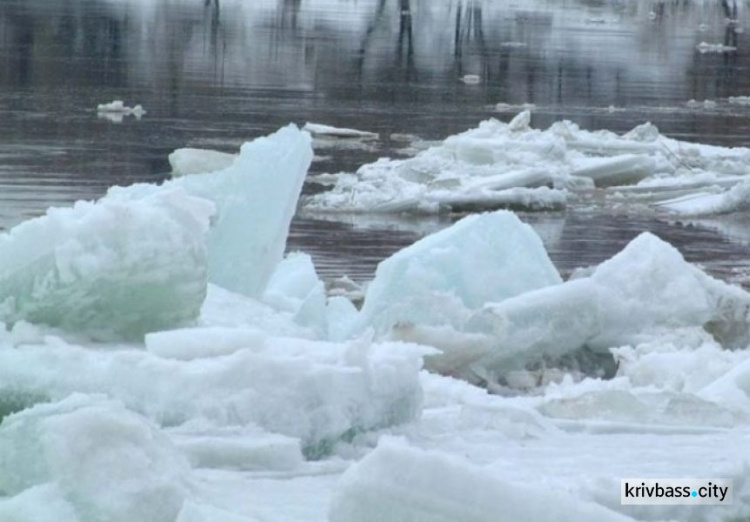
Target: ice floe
column 511, row 165
column 705, row 47
column 735, row 199
column 116, row 111
column 327, row 131
column 253, row 383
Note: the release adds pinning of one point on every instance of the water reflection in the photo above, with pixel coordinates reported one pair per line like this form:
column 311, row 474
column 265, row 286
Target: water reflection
column 213, row 73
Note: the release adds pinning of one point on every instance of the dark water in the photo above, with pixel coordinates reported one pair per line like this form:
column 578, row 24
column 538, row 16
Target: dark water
column 215, row 73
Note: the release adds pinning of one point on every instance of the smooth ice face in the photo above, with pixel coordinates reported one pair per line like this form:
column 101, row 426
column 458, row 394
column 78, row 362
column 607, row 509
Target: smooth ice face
column 295, row 288
column 442, row 278
column 133, row 262
column 256, row 199
column 187, row 161
column 400, row 483
column 107, row 462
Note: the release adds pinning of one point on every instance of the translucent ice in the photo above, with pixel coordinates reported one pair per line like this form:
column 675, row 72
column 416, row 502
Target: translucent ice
column 295, row 288
column 123, row 266
column 256, row 198
column 442, row 278
column 646, row 287
column 199, row 161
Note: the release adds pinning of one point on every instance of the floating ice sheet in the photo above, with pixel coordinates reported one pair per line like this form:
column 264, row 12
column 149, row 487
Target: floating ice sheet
column 499, row 165
column 318, row 129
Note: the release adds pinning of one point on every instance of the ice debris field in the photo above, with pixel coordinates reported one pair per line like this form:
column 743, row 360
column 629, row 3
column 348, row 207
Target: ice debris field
column 162, row 360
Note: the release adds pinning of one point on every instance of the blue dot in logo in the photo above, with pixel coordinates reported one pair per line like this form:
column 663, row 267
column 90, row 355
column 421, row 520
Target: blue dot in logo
column 694, row 493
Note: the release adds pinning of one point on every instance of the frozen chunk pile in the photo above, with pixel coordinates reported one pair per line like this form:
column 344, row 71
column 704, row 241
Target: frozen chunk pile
column 139, row 259
column 120, row 267
column 644, row 290
column 514, row 166
column 234, row 396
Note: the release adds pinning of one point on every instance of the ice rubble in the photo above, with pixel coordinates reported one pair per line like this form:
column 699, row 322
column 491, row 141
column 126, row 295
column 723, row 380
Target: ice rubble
column 123, row 266
column 316, row 392
column 242, row 402
column 512, row 165
column 521, row 313
column 645, row 288
column 443, row 278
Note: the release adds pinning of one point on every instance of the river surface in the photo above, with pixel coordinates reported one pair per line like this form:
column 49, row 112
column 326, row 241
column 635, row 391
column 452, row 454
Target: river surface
column 215, row 73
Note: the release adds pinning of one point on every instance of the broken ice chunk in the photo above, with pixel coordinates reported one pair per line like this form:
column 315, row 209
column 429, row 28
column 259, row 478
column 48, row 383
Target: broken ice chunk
column 646, row 287
column 318, row 129
column 256, row 198
column 199, row 161
column 115, row 111
column 197, row 343
column 122, row 266
column 619, row 170
column 401, row 483
column 108, row 463
column 442, row 278
column 735, row 199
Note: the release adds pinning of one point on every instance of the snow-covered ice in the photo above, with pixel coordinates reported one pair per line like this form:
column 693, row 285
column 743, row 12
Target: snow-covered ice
column 512, row 165
column 122, row 266
column 257, row 387
column 404, row 484
column 106, row 462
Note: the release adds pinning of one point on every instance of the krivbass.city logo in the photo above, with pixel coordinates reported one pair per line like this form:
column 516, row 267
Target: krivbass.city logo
column 686, row 492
